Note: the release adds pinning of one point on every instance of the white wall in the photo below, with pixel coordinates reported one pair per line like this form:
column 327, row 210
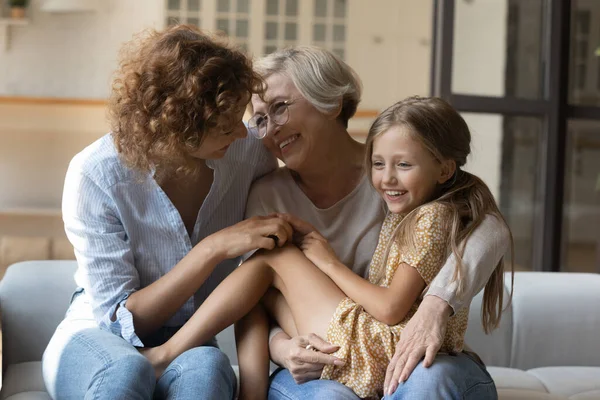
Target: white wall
column 486, row 148
column 389, row 46
column 71, row 55
column 74, row 55
column 479, row 60
column 36, row 144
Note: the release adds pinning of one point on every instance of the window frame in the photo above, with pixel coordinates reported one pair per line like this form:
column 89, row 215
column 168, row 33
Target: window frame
column 552, row 107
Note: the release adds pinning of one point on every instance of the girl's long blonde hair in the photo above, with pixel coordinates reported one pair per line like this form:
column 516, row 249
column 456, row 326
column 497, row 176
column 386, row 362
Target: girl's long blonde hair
column 441, row 129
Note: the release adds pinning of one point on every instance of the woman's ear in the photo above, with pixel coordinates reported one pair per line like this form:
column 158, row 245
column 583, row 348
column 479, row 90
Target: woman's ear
column 335, row 113
column 448, row 170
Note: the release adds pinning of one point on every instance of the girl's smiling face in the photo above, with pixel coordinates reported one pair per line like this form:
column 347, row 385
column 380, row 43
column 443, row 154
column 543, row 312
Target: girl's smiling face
column 404, row 172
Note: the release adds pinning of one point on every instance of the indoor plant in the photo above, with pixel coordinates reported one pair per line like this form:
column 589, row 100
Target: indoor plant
column 17, row 8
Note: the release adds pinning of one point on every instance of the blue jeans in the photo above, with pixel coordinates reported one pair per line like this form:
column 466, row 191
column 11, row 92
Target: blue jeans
column 85, row 362
column 450, row 377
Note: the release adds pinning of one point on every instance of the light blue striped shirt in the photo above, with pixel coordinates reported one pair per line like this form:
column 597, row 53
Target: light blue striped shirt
column 127, row 234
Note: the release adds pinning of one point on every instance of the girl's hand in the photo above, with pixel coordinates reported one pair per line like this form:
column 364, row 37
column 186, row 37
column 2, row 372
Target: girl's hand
column 318, row 250
column 251, row 234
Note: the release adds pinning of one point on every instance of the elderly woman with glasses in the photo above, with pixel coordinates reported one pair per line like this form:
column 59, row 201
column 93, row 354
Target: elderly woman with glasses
column 302, row 118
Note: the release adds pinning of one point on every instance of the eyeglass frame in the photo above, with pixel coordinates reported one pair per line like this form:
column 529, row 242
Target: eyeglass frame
column 255, row 129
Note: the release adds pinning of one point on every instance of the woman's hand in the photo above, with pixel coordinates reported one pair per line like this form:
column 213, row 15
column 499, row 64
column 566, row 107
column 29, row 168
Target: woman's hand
column 315, row 247
column 304, row 356
column 422, row 337
column 251, row 234
column 301, row 227
column 318, row 250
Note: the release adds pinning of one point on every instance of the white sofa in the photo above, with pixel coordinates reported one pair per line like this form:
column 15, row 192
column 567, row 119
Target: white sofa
column 547, row 347
column 548, row 342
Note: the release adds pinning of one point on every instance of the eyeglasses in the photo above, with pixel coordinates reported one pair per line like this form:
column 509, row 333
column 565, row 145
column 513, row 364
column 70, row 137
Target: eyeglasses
column 278, row 114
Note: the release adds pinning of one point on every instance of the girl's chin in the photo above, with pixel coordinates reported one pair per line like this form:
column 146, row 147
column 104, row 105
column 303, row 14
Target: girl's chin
column 397, row 208
column 394, row 205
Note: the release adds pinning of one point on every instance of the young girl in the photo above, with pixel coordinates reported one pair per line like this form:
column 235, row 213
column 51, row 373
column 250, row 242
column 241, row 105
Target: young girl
column 415, row 151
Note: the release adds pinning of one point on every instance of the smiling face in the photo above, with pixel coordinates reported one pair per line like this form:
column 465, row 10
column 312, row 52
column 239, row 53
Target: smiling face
column 298, row 141
column 217, row 140
column 404, row 172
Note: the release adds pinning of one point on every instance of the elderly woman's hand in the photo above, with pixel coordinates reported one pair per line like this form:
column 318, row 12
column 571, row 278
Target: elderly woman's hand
column 422, row 336
column 304, row 356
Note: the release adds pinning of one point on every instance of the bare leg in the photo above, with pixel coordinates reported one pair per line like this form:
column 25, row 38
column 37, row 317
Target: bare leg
column 310, row 295
column 251, row 337
column 280, row 311
column 312, row 298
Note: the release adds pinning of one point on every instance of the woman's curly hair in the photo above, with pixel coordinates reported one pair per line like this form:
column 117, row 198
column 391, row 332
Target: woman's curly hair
column 172, row 87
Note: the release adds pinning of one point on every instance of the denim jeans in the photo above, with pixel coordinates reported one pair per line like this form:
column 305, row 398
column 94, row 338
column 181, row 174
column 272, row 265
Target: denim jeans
column 450, row 377
column 85, row 362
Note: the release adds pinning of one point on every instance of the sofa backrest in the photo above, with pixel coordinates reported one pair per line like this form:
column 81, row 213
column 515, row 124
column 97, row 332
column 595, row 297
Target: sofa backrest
column 554, row 320
column 34, row 297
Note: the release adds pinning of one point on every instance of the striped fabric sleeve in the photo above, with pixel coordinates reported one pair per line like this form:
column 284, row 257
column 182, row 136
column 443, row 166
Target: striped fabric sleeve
column 266, row 162
column 254, row 207
column 105, row 261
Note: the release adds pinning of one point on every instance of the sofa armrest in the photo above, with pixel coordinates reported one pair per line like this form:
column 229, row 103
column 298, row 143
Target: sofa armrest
column 34, row 296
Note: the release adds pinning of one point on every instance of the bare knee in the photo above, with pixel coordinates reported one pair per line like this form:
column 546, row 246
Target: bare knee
column 279, row 257
column 287, row 250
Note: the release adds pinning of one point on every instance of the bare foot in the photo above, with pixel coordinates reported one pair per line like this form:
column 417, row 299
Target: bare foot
column 157, row 357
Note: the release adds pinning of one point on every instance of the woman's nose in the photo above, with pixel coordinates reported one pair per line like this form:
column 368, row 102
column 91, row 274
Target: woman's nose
column 272, row 128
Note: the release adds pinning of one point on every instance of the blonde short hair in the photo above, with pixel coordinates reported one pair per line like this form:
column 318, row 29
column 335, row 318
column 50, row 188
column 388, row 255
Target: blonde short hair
column 320, row 76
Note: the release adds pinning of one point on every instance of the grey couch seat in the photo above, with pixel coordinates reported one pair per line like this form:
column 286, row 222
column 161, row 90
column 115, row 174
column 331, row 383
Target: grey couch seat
column 24, row 381
column 34, row 297
column 33, row 300
column 547, row 346
column 548, row 342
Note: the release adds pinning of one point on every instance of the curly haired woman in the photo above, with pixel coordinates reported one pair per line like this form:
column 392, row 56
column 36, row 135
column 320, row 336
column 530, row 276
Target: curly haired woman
column 153, row 211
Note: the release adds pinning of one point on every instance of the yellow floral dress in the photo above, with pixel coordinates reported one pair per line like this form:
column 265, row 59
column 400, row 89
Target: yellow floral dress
column 366, row 344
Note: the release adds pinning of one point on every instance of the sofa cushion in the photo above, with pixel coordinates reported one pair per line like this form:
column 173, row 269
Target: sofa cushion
column 566, row 383
column 30, row 396
column 23, row 377
column 549, row 323
column 520, row 394
column 593, row 395
column 555, row 320
column 569, row 381
column 491, row 348
column 510, row 378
